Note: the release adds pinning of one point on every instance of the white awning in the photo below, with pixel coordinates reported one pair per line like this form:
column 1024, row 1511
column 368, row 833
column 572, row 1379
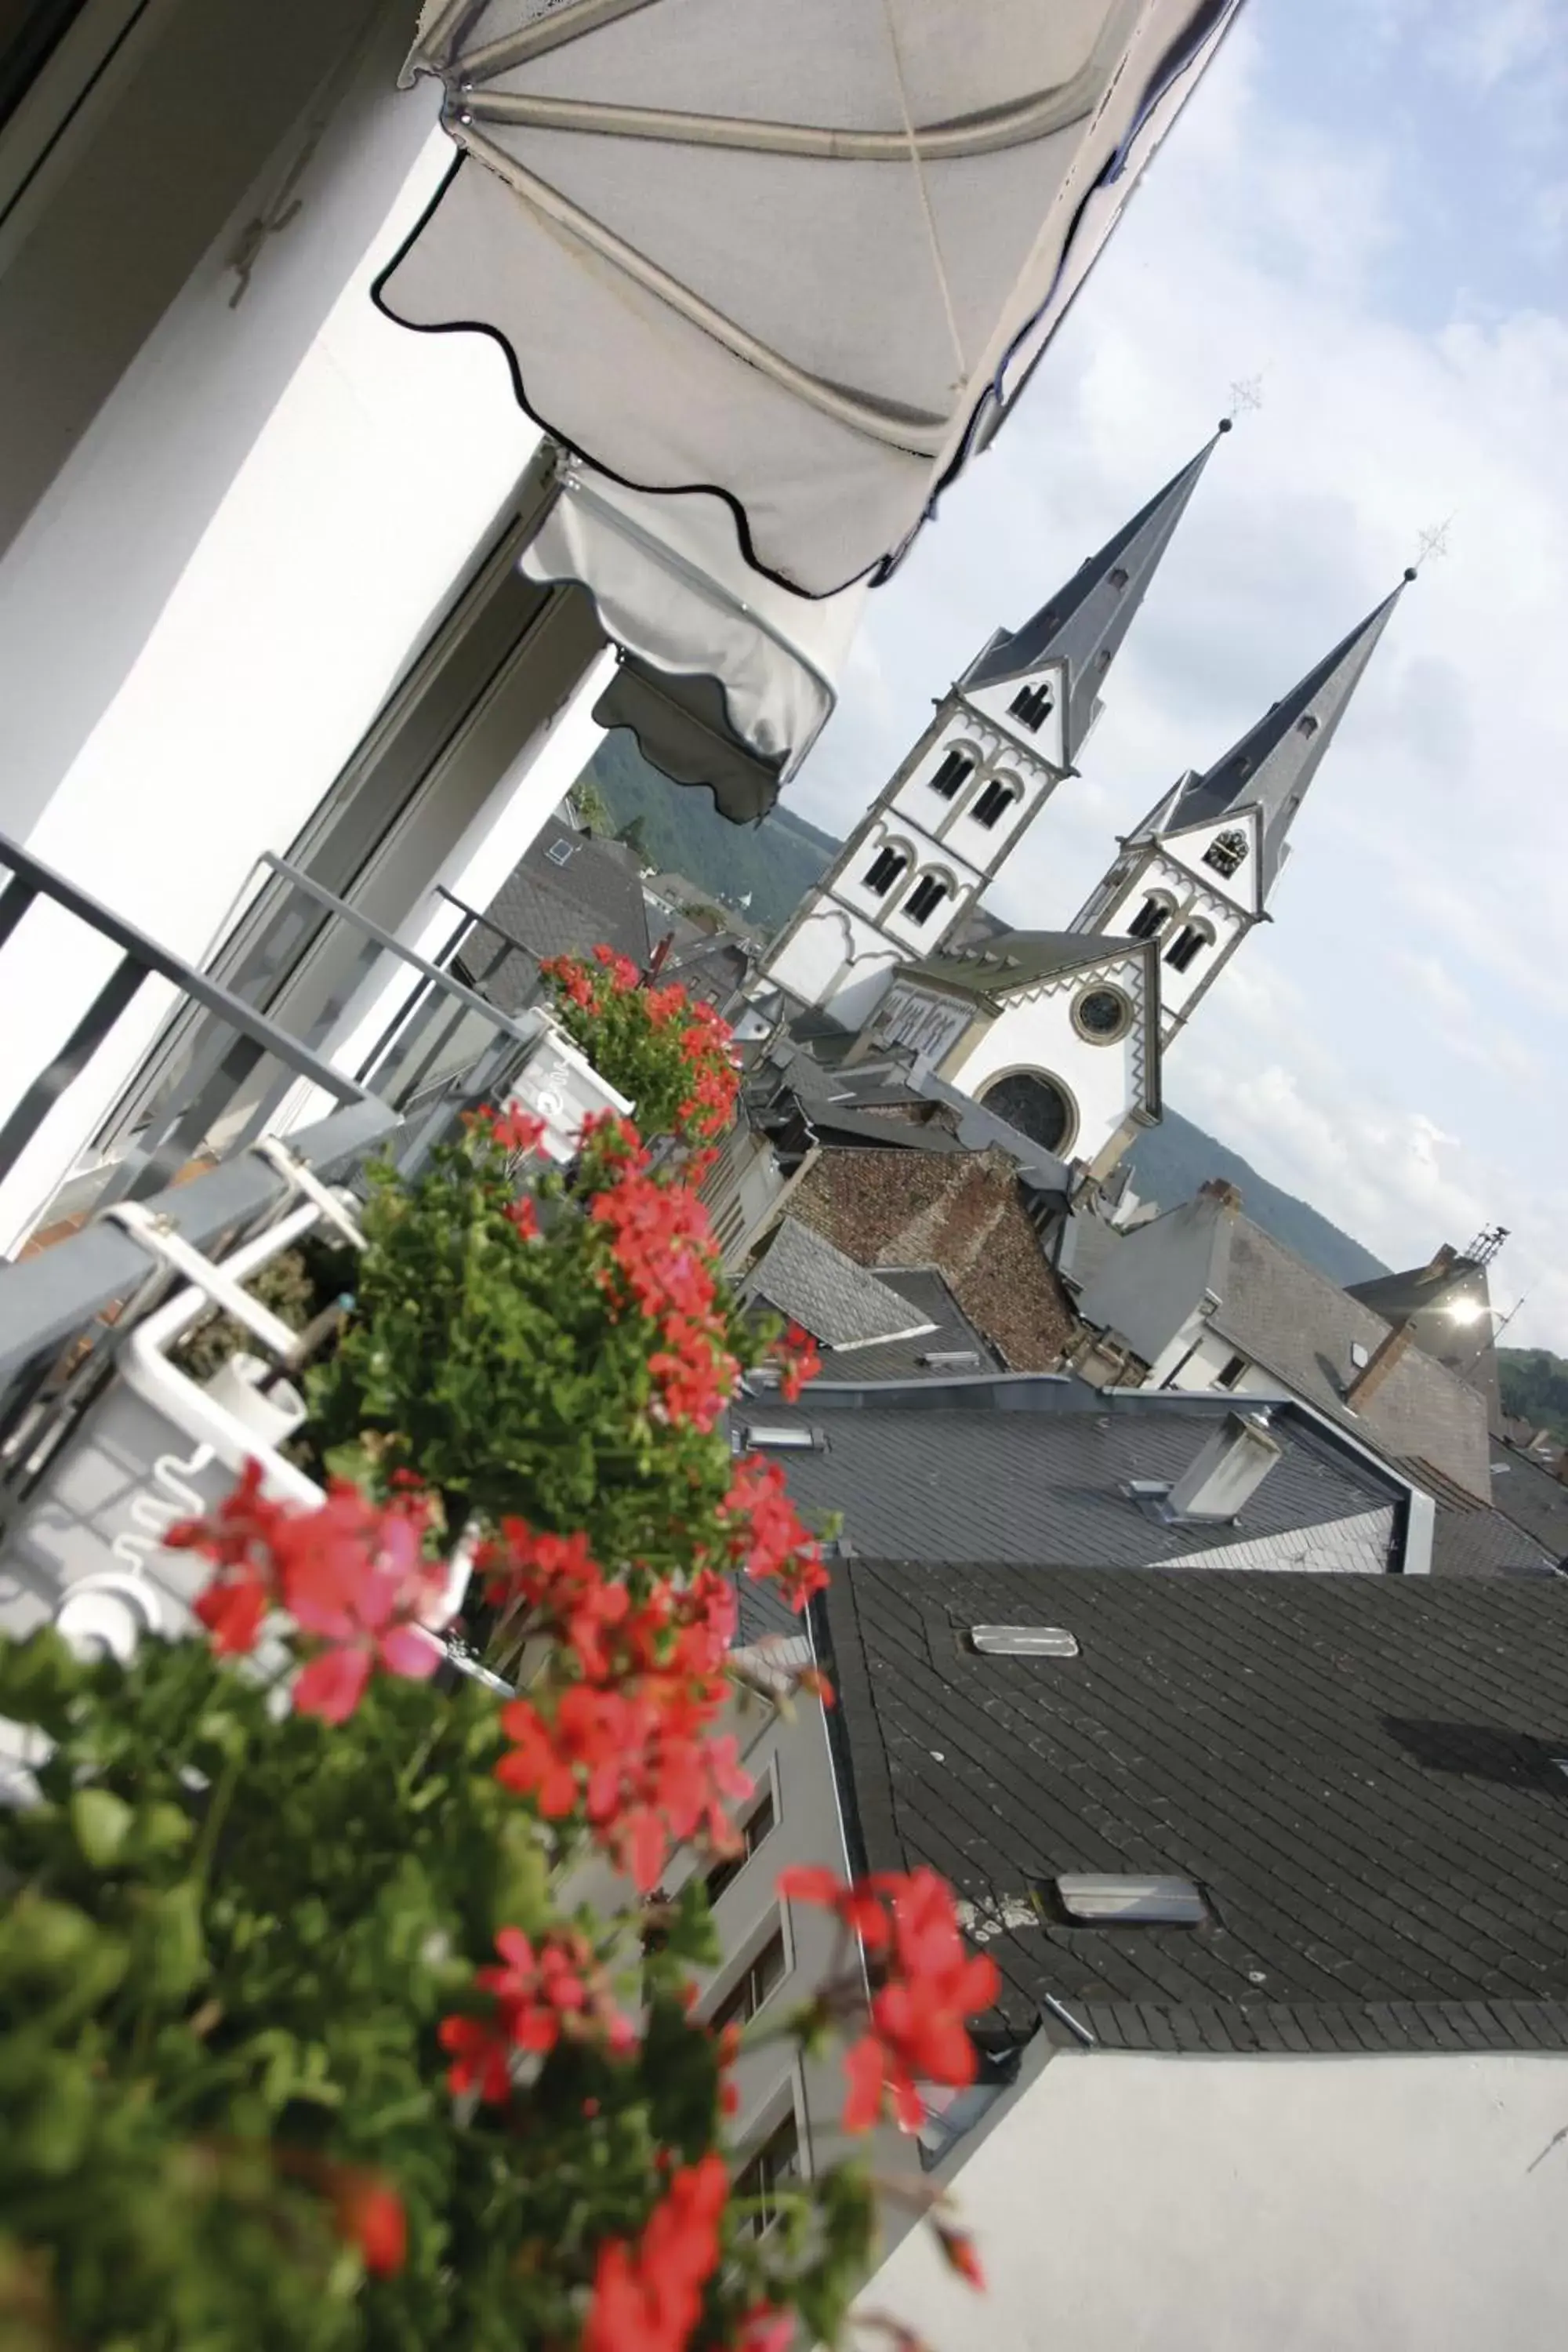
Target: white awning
column 725, row 677
column 797, row 257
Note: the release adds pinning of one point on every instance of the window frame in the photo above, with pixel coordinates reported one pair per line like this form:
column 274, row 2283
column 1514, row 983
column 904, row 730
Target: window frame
column 1008, row 795
column 1201, row 937
column 785, row 2117
column 1232, row 1370
column 1028, row 707
column 732, row 1867
column 772, row 1931
column 1165, row 907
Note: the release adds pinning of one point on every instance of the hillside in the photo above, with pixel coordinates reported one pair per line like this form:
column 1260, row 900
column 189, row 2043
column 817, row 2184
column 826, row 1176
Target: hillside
column 682, row 832
column 1173, row 1159
column 1534, row 1385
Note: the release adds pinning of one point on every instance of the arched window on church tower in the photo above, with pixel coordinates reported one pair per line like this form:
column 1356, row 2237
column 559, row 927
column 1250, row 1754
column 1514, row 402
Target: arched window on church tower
column 926, row 898
column 1032, row 704
column 885, row 869
column 1152, row 918
column 1226, row 851
column 993, row 803
column 1188, row 945
column 952, row 774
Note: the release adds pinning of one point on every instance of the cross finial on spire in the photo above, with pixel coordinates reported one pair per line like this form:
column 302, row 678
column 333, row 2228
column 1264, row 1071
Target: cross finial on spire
column 1246, row 393
column 1432, row 543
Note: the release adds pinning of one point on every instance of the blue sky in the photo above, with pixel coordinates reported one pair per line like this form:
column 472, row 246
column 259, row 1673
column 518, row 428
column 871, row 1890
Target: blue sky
column 1367, row 205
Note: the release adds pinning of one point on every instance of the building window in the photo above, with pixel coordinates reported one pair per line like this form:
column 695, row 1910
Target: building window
column 885, row 869
column 1032, row 704
column 925, row 898
column 954, row 771
column 1102, row 1015
column 559, row 851
column 1036, row 1105
column 1117, row 575
column 775, row 2164
column 1151, row 919
column 758, row 1824
column 1189, row 943
column 762, row 1975
column 1306, row 725
column 1232, row 1373
column 1226, row 852
column 993, row 801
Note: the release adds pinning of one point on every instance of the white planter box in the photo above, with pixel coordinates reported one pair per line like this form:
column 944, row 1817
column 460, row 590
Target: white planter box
column 559, row 1085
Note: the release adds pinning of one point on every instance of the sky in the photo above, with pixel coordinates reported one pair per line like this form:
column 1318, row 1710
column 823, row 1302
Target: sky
column 1364, row 210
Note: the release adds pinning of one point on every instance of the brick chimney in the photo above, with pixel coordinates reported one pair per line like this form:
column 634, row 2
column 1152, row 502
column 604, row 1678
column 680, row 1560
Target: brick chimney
column 1370, row 1379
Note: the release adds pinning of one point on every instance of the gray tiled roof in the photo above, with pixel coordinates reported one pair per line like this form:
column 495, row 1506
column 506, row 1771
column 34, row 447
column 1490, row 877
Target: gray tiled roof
column 591, row 900
column 1532, row 1497
column 1301, row 1325
column 1031, row 1470
column 950, row 1331
column 817, row 1286
column 1358, row 1773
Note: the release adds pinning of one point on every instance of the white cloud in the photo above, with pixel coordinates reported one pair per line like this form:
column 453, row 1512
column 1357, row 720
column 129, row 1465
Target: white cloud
column 1385, row 1045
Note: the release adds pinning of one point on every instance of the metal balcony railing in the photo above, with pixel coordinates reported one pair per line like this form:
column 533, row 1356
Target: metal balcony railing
column 324, row 999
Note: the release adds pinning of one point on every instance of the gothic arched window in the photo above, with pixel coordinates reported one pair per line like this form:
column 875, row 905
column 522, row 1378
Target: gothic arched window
column 885, row 869
column 952, row 774
column 925, row 897
column 1036, row 1105
column 1226, row 851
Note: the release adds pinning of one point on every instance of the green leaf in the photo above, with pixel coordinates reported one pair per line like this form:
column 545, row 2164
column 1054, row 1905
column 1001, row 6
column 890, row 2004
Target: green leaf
column 101, row 1823
column 168, row 1947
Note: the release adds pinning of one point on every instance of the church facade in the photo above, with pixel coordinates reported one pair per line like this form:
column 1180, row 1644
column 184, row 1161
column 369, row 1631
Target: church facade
column 1061, row 1032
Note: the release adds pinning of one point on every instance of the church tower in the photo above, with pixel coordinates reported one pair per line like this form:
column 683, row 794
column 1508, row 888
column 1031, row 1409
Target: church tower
column 1195, row 878
column 1002, row 740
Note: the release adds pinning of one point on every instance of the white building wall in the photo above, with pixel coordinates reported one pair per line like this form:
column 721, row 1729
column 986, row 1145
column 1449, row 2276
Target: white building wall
column 1035, row 1031
column 1154, row 2204
column 316, row 577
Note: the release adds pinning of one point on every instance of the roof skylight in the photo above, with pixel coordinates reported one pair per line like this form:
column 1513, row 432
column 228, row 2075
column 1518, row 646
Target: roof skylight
column 1023, row 1642
column 1120, row 1899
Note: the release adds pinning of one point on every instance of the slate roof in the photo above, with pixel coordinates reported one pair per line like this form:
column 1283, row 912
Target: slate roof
column 1357, row 1772
column 950, row 1332
column 1029, row 1469
column 1019, row 960
column 585, row 896
column 1086, row 621
column 1301, row 1325
column 1272, row 765
column 1531, row 1498
column 818, row 1287
column 1467, row 1346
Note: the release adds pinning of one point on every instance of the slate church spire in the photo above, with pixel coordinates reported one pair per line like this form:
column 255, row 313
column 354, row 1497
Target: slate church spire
column 1081, row 630
column 1195, row 876
column 1272, row 765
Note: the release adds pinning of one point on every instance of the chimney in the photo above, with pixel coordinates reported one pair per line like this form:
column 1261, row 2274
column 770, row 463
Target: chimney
column 1228, row 1471
column 1220, row 1188
column 1370, row 1379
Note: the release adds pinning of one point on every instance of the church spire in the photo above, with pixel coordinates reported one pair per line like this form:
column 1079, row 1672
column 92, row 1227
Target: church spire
column 1082, row 627
column 1272, row 765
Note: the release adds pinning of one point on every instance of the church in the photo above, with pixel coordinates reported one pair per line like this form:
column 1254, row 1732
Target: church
column 1061, row 1034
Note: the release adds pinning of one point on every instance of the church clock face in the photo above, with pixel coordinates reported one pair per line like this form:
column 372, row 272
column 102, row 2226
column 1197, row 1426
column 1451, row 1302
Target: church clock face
column 1102, row 1015
column 1036, row 1105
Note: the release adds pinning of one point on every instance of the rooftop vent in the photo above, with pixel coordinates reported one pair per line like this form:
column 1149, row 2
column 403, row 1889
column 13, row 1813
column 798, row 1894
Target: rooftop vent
column 1114, row 1899
column 1227, row 1472
column 1023, row 1642
column 950, row 1359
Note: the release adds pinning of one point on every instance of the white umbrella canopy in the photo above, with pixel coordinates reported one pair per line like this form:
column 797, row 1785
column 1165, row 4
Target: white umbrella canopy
column 798, row 258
